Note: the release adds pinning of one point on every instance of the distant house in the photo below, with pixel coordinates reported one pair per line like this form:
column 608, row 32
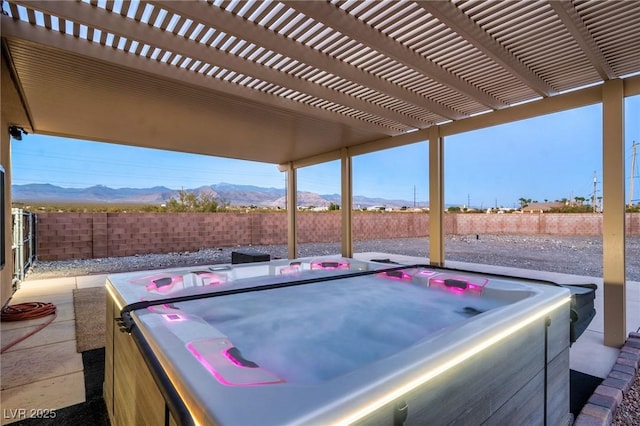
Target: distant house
column 543, row 207
column 502, row 210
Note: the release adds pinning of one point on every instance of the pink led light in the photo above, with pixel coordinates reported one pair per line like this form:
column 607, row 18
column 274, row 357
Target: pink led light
column 228, row 356
column 396, row 275
column 458, row 284
column 166, row 285
column 208, row 366
column 329, row 264
column 173, row 317
column 158, row 285
column 228, row 370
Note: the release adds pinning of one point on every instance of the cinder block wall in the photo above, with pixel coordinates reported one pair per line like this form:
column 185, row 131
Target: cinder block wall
column 371, row 225
column 93, row 235
column 65, row 235
column 130, row 234
column 526, row 224
column 321, row 227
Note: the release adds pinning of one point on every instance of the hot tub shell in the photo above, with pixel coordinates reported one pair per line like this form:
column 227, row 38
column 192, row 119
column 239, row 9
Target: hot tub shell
column 509, row 365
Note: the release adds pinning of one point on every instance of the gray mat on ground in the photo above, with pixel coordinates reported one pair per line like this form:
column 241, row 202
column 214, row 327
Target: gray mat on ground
column 90, row 312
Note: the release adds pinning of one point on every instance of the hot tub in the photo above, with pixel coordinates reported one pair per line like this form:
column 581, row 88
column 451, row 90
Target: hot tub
column 335, row 341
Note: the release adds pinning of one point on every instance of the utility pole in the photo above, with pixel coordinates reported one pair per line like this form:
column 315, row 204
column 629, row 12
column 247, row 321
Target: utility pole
column 593, row 197
column 414, row 196
column 633, row 171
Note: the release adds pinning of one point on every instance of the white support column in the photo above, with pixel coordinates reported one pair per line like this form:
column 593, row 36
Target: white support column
column 347, row 203
column 436, row 197
column 613, row 223
column 292, row 209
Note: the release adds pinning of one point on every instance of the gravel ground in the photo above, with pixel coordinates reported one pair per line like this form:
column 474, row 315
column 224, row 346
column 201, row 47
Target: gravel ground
column 628, row 412
column 570, row 255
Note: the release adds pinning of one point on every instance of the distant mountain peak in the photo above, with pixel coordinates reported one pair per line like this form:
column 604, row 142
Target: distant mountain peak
column 233, row 194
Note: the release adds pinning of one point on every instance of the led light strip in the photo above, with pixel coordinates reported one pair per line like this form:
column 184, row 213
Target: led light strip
column 425, row 377
column 194, row 410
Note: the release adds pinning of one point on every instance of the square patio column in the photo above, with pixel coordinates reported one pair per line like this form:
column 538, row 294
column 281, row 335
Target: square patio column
column 347, row 203
column 613, row 223
column 436, row 197
column 292, row 210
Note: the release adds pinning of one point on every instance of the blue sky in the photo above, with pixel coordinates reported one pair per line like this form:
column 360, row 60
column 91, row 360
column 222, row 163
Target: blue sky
column 549, row 157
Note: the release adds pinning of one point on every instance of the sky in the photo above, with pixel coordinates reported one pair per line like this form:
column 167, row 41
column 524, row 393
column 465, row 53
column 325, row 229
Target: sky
column 545, row 158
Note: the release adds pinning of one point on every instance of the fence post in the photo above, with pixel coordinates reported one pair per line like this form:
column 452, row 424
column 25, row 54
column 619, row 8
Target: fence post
column 20, row 263
column 29, row 240
column 18, row 245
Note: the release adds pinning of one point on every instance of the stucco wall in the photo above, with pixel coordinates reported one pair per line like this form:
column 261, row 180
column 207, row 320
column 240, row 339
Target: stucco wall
column 12, row 112
column 93, row 235
column 6, row 273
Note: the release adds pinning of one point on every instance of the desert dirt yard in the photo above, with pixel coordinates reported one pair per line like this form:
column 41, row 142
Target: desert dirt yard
column 575, row 255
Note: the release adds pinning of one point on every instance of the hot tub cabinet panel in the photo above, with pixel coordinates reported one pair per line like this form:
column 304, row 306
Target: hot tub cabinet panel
column 506, row 364
column 107, row 390
column 142, row 403
column 130, row 391
column 488, row 387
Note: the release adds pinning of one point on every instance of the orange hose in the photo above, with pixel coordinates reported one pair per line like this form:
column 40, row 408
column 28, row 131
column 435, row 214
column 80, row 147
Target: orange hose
column 27, row 311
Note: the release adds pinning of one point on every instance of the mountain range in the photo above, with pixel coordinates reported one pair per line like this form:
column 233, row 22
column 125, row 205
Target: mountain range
column 234, row 195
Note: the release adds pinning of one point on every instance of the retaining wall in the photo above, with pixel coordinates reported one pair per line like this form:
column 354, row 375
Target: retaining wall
column 93, row 235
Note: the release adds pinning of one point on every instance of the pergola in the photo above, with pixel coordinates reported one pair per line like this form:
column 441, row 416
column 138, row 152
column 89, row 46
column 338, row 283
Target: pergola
column 297, row 83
